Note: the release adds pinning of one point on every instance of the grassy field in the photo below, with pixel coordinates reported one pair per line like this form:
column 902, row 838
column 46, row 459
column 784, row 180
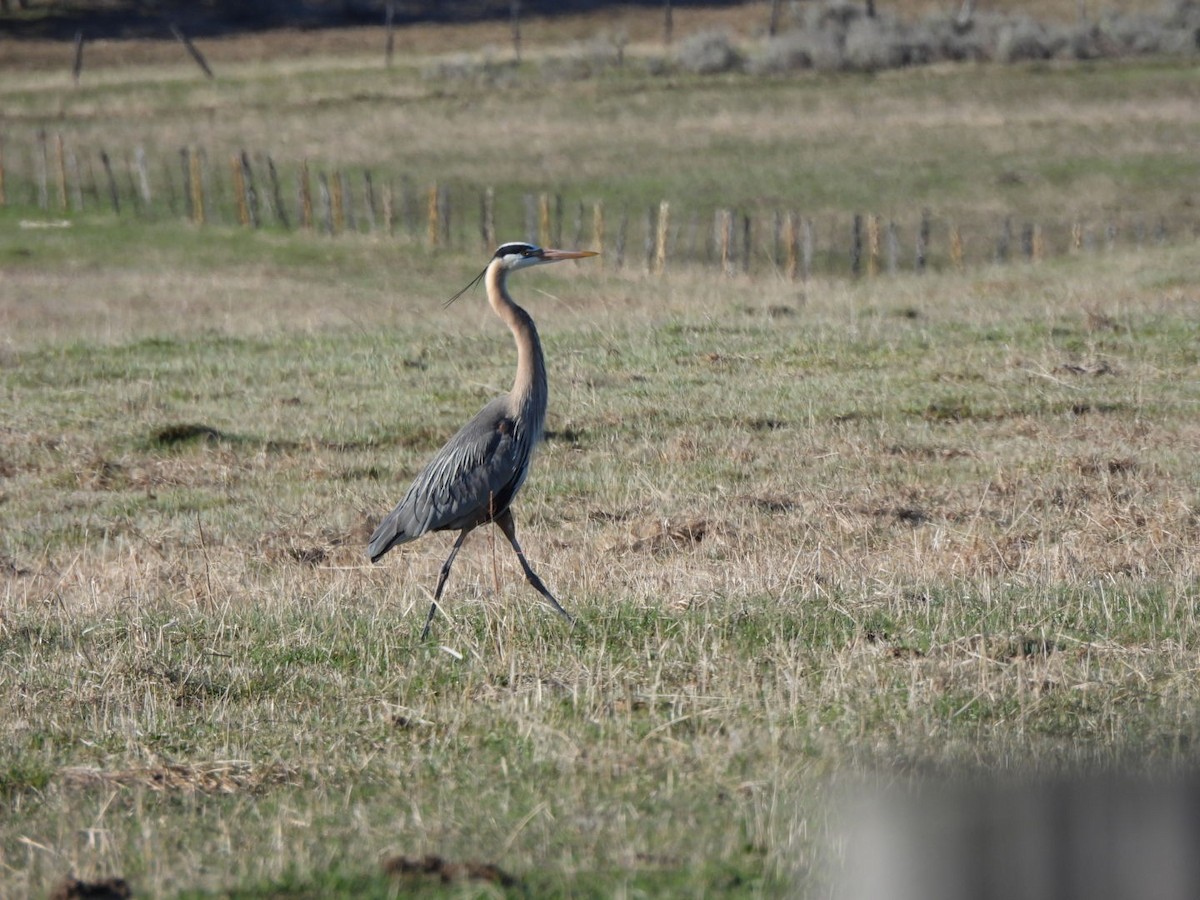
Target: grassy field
column 816, row 534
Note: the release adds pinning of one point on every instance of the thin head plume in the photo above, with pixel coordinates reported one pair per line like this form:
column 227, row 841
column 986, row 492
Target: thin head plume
column 474, row 281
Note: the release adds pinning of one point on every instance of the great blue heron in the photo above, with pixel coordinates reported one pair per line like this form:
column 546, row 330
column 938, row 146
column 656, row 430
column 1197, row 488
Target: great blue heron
column 473, row 479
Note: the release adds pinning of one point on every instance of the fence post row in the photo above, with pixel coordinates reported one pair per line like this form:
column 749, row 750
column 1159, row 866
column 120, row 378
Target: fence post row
column 58, row 178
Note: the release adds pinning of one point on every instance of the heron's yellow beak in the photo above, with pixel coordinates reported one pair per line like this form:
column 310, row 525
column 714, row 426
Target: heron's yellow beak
column 556, row 255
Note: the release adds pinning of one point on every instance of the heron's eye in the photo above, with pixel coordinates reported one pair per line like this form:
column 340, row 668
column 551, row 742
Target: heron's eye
column 531, row 251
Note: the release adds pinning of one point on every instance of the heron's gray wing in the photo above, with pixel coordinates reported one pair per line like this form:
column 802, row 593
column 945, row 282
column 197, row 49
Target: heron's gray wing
column 468, row 482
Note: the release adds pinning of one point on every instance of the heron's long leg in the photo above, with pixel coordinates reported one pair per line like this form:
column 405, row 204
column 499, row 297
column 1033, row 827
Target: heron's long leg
column 437, row 594
column 509, row 526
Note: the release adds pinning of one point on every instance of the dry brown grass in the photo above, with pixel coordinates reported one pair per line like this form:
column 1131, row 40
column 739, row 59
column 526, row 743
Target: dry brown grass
column 814, row 533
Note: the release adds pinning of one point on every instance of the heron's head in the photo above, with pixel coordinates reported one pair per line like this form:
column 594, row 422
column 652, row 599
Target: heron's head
column 519, row 255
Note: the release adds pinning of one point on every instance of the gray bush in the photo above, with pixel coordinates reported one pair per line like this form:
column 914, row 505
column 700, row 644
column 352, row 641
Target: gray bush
column 796, row 50
column 838, row 34
column 708, row 53
column 878, row 43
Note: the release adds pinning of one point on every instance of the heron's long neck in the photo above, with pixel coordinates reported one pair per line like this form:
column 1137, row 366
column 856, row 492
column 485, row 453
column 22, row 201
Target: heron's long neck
column 529, row 390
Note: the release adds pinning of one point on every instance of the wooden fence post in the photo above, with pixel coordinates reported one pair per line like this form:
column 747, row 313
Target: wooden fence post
column 923, row 232
column 660, row 249
column 326, row 198
column 956, row 247
column 389, row 218
column 252, row 203
column 487, row 218
column 577, row 234
column 192, row 50
column 791, row 266
column 239, row 190
column 139, row 161
column 196, row 186
column 337, row 209
column 724, row 227
column 281, row 215
column 345, row 194
column 73, row 177
column 431, row 206
column 369, row 200
column 60, row 170
column 77, row 66
column 856, row 246
column 873, row 245
column 543, row 220
column 389, row 25
column 622, row 225
column 445, row 209
column 1004, row 242
column 747, row 243
column 648, row 239
column 808, row 248
column 41, row 165
column 1039, row 244
column 306, row 200
column 514, row 14
column 113, row 194
column 3, row 188
column 598, row 226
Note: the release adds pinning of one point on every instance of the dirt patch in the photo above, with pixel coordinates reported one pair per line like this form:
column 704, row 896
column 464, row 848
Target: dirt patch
column 106, row 889
column 406, row 868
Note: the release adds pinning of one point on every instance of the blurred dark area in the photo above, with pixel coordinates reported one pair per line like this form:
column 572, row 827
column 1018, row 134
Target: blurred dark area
column 61, row 19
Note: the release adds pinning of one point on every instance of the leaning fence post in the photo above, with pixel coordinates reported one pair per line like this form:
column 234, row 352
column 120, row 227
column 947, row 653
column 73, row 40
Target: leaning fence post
column 3, row 190
column 77, row 66
column 192, row 49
